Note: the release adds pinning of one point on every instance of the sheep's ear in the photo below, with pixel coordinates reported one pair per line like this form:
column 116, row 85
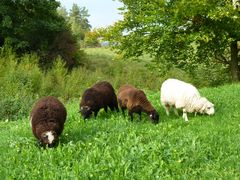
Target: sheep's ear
column 88, row 108
column 151, row 115
column 81, row 108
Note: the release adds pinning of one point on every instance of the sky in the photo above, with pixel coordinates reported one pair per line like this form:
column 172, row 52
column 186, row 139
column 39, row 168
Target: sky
column 102, row 12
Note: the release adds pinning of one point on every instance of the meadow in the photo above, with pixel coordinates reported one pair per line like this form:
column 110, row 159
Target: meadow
column 112, row 147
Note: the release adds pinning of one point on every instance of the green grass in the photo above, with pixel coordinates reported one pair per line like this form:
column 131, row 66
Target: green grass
column 111, row 147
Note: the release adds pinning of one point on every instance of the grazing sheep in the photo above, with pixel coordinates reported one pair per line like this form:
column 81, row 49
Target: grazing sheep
column 136, row 101
column 47, row 120
column 101, row 95
column 181, row 95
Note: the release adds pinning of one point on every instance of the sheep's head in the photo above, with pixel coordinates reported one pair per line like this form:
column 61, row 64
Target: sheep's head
column 207, row 107
column 49, row 138
column 86, row 111
column 154, row 116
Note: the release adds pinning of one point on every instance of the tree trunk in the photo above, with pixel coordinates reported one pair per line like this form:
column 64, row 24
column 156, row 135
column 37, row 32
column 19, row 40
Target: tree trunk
column 234, row 62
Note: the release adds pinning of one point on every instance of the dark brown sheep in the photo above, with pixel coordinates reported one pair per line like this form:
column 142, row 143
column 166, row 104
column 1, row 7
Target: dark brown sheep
column 47, row 120
column 100, row 95
column 135, row 101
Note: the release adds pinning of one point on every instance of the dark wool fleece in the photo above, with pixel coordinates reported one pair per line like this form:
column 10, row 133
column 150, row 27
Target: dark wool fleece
column 48, row 114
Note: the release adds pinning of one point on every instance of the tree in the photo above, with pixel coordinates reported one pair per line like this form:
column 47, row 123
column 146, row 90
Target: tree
column 181, row 33
column 63, row 12
column 30, row 25
column 78, row 19
column 95, row 37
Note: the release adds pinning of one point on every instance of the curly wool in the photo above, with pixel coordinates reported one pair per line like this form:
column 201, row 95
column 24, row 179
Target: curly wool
column 100, row 95
column 47, row 119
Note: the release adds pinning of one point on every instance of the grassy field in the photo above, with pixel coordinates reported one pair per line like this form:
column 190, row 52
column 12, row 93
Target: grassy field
column 111, row 147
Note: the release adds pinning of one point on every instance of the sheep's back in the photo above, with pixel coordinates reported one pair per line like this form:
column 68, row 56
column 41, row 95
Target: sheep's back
column 133, row 97
column 48, row 113
column 173, row 90
column 140, row 99
column 125, row 94
column 125, row 88
column 105, row 91
column 48, row 108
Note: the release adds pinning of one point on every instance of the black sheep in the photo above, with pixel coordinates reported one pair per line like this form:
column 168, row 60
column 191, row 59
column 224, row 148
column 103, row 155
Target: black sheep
column 47, row 119
column 100, row 95
column 135, row 101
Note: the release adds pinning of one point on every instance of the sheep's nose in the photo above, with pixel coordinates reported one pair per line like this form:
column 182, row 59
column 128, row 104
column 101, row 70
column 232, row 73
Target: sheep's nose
column 51, row 145
column 212, row 112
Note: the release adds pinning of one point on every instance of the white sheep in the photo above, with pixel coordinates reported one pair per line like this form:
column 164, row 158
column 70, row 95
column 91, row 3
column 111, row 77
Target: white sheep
column 182, row 95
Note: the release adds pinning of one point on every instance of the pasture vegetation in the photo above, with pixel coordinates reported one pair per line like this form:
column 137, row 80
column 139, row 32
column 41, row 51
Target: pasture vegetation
column 111, row 147
column 22, row 81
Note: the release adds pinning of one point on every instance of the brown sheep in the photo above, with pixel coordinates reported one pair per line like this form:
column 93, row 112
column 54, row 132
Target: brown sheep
column 101, row 95
column 135, row 101
column 47, row 119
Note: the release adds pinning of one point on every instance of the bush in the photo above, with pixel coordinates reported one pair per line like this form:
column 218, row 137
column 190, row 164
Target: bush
column 15, row 106
column 210, row 75
column 19, row 85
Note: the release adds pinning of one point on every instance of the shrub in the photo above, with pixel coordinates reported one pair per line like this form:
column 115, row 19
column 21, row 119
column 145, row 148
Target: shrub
column 19, row 85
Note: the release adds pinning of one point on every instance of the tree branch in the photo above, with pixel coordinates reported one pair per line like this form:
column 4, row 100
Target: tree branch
column 220, row 58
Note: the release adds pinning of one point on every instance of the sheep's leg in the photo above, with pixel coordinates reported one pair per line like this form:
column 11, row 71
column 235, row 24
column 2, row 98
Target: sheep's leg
column 117, row 109
column 95, row 114
column 167, row 108
column 140, row 116
column 176, row 111
column 115, row 106
column 123, row 112
column 185, row 115
column 131, row 115
column 105, row 109
column 112, row 108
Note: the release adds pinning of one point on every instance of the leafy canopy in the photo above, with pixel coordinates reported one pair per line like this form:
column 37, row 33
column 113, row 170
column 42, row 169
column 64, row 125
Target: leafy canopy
column 29, row 24
column 35, row 26
column 179, row 33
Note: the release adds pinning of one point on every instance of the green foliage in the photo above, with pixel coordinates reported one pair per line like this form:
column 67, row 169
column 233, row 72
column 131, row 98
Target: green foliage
column 65, row 46
column 95, row 37
column 18, row 85
column 91, row 39
column 181, row 34
column 78, row 21
column 30, row 25
column 35, row 26
column 112, row 147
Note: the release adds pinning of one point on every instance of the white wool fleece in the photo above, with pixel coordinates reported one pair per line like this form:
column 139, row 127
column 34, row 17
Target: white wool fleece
column 181, row 95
